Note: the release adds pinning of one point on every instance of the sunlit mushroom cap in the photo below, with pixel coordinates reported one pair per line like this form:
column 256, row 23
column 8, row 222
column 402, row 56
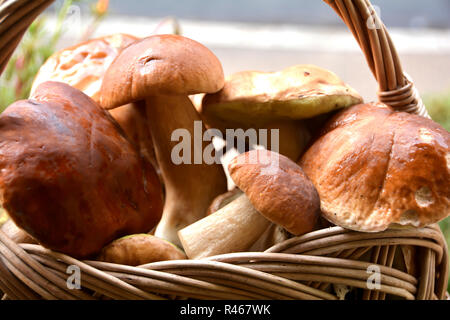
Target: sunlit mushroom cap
column 299, row 92
column 375, row 168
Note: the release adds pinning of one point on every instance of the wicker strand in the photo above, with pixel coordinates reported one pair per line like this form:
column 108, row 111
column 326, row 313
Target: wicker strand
column 318, row 271
column 87, row 281
column 443, row 270
column 168, row 278
column 88, row 270
column 13, row 283
column 15, row 23
column 224, row 270
column 57, row 285
column 238, row 258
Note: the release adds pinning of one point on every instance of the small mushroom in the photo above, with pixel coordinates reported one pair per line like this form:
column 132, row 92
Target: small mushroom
column 139, row 249
column 376, row 169
column 164, row 70
column 275, row 191
column 68, row 176
column 278, row 100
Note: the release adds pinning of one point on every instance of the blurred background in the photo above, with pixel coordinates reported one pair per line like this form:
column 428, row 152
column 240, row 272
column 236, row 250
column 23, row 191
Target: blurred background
column 265, row 35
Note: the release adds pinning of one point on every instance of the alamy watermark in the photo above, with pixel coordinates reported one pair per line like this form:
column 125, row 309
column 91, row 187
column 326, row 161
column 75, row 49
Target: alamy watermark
column 73, row 281
column 190, row 149
column 374, row 20
column 374, row 280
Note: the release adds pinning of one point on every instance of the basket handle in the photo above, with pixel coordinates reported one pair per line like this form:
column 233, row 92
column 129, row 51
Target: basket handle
column 396, row 88
column 15, row 18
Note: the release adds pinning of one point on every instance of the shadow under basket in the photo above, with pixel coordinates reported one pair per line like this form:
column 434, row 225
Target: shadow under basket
column 331, row 263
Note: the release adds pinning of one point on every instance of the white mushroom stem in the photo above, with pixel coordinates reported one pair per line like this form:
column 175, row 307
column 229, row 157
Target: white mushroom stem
column 273, row 235
column 234, row 228
column 190, row 187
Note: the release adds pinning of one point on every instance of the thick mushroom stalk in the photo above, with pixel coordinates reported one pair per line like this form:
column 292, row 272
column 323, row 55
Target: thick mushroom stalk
column 273, row 234
column 164, row 70
column 190, row 187
column 275, row 190
column 234, row 228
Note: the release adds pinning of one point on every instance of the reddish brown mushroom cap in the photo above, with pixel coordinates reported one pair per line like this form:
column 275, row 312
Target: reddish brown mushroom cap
column 375, row 168
column 161, row 65
column 69, row 177
column 278, row 188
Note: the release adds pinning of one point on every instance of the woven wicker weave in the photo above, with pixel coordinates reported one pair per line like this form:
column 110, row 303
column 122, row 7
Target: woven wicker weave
column 413, row 262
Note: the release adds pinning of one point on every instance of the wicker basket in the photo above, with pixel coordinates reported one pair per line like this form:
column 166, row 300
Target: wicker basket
column 413, row 262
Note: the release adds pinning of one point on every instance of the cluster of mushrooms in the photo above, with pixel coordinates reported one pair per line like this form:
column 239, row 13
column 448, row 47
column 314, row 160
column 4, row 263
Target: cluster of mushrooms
column 86, row 168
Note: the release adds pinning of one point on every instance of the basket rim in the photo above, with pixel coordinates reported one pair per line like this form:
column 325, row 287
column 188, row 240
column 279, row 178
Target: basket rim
column 251, row 275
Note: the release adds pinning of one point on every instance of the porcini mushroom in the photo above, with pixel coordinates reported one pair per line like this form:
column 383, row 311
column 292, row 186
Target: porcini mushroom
column 69, row 177
column 164, row 70
column 83, row 67
column 139, row 249
column 275, row 190
column 375, row 169
column 278, row 100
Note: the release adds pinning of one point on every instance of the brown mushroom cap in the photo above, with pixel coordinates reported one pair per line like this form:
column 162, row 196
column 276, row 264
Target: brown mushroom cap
column 251, row 98
column 83, row 65
column 139, row 249
column 152, row 67
column 69, row 177
column 375, row 168
column 279, row 189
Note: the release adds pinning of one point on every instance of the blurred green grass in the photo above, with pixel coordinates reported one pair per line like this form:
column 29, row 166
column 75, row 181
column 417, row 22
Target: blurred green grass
column 438, row 106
